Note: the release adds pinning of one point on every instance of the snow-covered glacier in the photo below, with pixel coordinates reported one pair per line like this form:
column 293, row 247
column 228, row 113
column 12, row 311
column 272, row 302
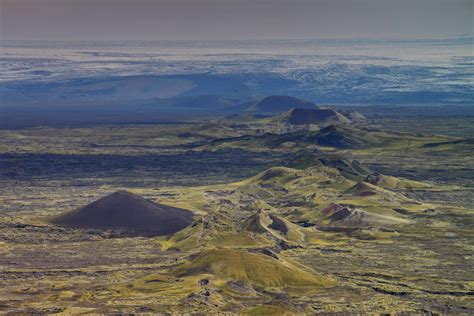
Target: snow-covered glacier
column 87, row 74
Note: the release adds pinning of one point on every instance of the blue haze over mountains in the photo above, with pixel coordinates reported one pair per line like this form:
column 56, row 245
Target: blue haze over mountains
column 219, row 77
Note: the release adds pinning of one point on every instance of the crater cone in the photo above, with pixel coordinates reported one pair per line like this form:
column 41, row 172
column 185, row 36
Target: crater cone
column 126, row 210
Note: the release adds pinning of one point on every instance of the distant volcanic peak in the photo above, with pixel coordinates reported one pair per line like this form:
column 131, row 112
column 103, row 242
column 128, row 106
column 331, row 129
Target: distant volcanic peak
column 304, row 116
column 280, row 104
column 126, row 210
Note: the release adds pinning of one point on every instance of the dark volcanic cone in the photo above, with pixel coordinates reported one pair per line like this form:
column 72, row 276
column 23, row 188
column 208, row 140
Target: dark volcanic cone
column 123, row 209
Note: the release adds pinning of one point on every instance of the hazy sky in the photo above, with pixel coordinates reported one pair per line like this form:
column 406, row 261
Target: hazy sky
column 233, row 19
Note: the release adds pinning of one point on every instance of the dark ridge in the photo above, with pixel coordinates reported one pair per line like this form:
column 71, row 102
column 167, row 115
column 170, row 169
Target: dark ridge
column 349, row 168
column 303, row 116
column 467, row 141
column 345, row 137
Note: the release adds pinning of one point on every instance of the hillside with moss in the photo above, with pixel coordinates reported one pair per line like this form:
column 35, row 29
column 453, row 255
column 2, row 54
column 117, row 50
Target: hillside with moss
column 282, row 213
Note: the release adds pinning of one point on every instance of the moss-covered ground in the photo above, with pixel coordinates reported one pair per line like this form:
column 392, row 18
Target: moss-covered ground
column 267, row 239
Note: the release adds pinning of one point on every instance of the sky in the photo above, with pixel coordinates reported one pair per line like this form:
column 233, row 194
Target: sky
column 233, row 19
